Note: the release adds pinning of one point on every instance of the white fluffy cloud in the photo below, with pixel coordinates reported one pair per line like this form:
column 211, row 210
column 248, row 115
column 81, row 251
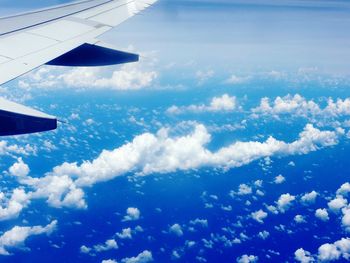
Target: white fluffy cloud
column 344, row 189
column 162, row 153
column 247, row 259
column 299, row 106
column 13, row 205
column 337, row 203
column 19, row 168
column 322, row 214
column 6, row 149
column 285, row 202
column 296, row 104
column 109, row 244
column 108, row 261
column 225, row 103
column 280, row 179
column 125, row 234
column 259, row 216
column 16, row 237
column 309, row 198
column 132, row 214
column 346, row 218
column 327, row 252
column 299, row 219
column 127, row 77
column 176, row 229
column 303, row 256
column 244, row 190
column 144, row 257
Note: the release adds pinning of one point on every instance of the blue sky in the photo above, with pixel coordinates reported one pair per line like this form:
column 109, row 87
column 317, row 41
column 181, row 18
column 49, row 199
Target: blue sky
column 227, row 142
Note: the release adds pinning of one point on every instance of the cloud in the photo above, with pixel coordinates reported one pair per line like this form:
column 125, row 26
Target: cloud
column 225, row 103
column 303, row 256
column 244, row 190
column 346, row 218
column 176, row 229
column 299, row 219
column 14, row 205
column 6, row 149
column 344, row 189
column 134, row 76
column 19, row 168
column 144, row 257
column 322, row 214
column 296, row 105
column 247, row 259
column 337, row 203
column 16, row 237
column 280, row 179
column 259, row 216
column 235, row 80
column 301, row 107
column 59, row 190
column 163, row 153
column 263, row 235
column 203, row 76
column 109, row 244
column 309, row 198
column 200, row 222
column 129, row 77
column 284, row 202
column 125, row 234
column 108, row 261
column 132, row 214
column 327, row 252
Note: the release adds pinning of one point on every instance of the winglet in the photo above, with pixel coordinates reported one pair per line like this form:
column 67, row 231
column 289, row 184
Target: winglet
column 91, row 55
column 17, row 119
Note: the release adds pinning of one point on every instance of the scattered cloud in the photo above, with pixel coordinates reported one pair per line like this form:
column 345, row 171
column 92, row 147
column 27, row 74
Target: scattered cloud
column 337, row 203
column 19, row 168
column 16, row 237
column 285, row 202
column 176, row 229
column 259, row 216
column 132, row 214
column 144, row 257
column 12, row 207
column 301, row 107
column 299, row 219
column 280, row 179
column 247, row 259
column 235, row 80
column 125, row 234
column 303, row 256
column 225, row 103
column 309, row 198
column 244, row 190
column 322, row 214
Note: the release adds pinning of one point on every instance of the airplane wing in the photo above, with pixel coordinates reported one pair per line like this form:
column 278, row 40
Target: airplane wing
column 64, row 35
